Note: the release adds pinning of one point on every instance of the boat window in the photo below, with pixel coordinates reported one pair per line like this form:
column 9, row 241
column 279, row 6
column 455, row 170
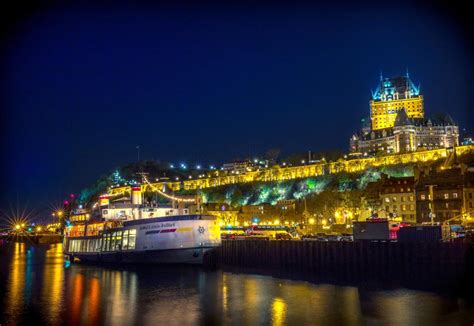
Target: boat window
column 98, row 245
column 105, row 242
column 132, row 237
column 125, row 240
column 72, row 246
column 117, row 240
column 128, row 240
column 109, row 242
column 112, row 242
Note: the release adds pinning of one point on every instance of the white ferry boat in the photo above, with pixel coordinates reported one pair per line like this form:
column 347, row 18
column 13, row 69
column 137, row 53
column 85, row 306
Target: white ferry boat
column 133, row 233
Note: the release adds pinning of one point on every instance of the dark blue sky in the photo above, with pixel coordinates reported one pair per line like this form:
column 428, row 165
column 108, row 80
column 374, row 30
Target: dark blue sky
column 82, row 86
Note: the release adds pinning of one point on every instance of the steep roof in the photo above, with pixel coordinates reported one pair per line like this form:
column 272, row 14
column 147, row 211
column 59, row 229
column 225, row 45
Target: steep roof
column 402, row 119
column 400, row 84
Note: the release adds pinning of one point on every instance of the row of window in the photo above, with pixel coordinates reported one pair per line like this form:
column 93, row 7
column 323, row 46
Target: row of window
column 115, row 241
column 403, row 208
column 402, row 199
column 446, row 195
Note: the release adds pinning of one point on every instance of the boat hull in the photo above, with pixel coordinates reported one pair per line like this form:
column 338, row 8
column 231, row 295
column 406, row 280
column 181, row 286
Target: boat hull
column 168, row 256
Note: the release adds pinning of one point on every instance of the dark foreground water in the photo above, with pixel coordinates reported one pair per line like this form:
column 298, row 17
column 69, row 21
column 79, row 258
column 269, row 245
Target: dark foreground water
column 37, row 288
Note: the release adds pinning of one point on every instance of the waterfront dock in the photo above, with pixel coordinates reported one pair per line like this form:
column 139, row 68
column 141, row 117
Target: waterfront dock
column 446, row 266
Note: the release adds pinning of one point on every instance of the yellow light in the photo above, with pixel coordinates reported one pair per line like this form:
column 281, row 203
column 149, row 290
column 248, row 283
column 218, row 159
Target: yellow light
column 311, row 221
column 60, row 213
column 246, row 224
column 324, row 222
column 38, row 229
column 286, row 222
column 237, row 223
column 18, row 226
column 22, row 225
column 276, row 222
column 221, row 223
column 87, row 216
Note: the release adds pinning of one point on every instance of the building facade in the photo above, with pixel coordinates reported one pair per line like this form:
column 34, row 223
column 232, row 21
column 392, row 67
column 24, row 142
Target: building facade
column 439, row 194
column 397, row 122
column 398, row 199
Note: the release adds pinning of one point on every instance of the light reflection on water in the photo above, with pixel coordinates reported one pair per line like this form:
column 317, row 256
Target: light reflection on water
column 38, row 288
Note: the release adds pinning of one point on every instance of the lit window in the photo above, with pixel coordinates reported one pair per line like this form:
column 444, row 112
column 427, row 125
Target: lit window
column 446, row 196
column 455, row 195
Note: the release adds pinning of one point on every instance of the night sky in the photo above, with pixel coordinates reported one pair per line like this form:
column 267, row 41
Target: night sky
column 81, row 87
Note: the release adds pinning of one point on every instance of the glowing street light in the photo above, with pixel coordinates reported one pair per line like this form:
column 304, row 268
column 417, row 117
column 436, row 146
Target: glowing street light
column 311, row 221
column 17, row 227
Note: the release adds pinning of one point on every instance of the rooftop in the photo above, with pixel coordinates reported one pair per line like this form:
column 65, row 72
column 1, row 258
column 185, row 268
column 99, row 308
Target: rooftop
column 390, row 86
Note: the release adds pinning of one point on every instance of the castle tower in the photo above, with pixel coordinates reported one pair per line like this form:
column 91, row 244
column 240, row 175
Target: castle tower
column 392, row 95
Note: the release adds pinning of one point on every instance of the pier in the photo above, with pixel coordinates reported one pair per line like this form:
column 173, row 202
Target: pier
column 446, row 266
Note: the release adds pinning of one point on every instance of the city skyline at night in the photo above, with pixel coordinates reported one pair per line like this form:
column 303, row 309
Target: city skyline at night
column 248, row 163
column 184, row 90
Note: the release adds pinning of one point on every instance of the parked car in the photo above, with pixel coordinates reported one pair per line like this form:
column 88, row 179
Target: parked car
column 315, row 237
column 283, row 236
column 346, row 237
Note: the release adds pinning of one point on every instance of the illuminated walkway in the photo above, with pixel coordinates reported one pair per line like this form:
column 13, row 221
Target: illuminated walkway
column 278, row 173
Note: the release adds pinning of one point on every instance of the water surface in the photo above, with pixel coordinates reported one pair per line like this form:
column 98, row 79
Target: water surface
column 38, row 288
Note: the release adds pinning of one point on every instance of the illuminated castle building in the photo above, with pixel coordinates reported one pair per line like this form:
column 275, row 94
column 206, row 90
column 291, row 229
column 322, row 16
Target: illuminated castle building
column 397, row 122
